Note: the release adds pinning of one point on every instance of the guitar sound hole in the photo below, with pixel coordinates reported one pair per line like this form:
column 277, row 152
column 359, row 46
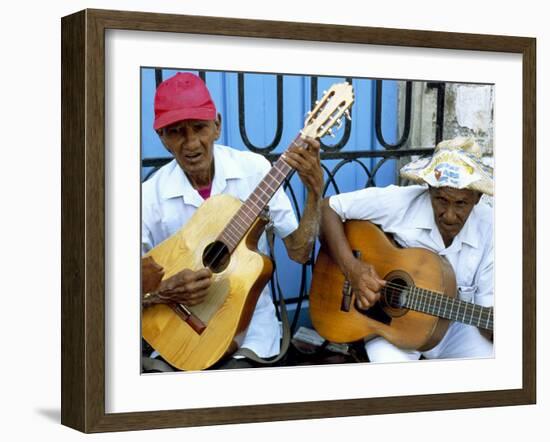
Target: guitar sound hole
column 216, row 256
column 395, row 293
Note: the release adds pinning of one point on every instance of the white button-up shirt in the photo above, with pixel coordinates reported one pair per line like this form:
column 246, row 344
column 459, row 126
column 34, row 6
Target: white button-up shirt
column 406, row 212
column 169, row 200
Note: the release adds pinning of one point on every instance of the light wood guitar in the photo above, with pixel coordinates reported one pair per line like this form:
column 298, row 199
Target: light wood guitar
column 415, row 307
column 223, row 235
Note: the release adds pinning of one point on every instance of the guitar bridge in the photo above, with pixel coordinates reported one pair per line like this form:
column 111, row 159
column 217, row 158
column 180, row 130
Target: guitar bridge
column 187, row 315
column 346, row 297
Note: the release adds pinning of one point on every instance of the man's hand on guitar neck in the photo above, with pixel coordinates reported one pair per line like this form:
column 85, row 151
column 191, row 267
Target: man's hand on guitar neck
column 306, row 161
column 365, row 283
column 187, row 287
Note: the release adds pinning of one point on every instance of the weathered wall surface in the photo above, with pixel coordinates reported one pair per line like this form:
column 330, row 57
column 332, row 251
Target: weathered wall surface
column 468, row 110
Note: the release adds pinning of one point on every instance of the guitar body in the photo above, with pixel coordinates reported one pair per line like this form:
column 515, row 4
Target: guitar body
column 407, row 329
column 232, row 296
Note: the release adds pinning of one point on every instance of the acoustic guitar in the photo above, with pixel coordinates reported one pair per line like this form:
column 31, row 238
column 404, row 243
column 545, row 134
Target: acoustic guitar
column 222, row 235
column 415, row 307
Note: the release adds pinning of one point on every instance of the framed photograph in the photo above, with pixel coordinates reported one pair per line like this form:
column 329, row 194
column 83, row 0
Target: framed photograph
column 108, row 58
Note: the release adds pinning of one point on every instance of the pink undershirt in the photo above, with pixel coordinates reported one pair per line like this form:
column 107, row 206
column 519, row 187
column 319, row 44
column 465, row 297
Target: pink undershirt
column 205, row 192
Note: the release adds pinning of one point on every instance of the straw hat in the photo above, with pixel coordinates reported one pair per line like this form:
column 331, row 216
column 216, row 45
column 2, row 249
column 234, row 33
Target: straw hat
column 455, row 163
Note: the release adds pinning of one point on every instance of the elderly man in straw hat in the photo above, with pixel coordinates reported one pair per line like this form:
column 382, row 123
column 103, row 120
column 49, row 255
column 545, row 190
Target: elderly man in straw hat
column 443, row 213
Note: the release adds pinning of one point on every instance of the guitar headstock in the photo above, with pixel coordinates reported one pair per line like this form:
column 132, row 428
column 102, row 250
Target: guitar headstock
column 329, row 111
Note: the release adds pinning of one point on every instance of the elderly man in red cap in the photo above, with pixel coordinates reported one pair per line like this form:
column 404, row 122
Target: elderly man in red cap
column 441, row 213
column 188, row 125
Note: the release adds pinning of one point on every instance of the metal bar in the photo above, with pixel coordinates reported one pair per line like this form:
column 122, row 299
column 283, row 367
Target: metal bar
column 299, row 302
column 242, row 117
column 378, row 117
column 330, row 179
column 368, row 154
column 440, row 109
column 379, row 164
column 158, row 76
column 272, row 157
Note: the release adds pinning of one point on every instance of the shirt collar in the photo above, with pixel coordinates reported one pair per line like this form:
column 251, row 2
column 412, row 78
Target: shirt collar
column 470, row 232
column 178, row 185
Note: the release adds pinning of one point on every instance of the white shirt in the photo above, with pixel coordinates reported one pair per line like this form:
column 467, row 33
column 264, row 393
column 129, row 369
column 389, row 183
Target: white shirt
column 407, row 213
column 169, row 200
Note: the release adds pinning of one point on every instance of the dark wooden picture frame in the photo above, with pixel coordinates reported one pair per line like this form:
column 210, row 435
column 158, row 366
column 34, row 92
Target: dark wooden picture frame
column 83, row 219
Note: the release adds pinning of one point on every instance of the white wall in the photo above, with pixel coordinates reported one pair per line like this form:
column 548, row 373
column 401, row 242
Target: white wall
column 30, row 110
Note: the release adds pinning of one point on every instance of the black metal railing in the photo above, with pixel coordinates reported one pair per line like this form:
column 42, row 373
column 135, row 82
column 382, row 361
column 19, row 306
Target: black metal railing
column 242, row 121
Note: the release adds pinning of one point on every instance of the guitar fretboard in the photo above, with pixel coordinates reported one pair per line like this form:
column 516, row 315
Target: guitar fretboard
column 235, row 230
column 437, row 304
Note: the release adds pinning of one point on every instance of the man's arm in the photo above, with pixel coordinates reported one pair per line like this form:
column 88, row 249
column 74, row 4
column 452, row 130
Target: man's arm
column 299, row 244
column 365, row 282
column 306, row 161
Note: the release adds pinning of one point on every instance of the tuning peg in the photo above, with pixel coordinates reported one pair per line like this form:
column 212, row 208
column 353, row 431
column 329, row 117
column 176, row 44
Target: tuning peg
column 348, row 115
column 330, row 133
column 338, row 123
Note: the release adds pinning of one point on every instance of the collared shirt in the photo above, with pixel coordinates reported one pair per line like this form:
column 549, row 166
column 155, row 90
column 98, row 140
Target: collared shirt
column 407, row 213
column 169, row 200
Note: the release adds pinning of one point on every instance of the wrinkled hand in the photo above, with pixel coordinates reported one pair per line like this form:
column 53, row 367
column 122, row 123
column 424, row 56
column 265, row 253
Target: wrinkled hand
column 186, row 287
column 151, row 274
column 307, row 163
column 365, row 283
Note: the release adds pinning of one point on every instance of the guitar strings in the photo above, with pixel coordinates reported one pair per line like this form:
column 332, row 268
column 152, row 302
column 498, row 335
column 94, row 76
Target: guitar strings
column 285, row 174
column 485, row 317
column 220, row 250
column 395, row 291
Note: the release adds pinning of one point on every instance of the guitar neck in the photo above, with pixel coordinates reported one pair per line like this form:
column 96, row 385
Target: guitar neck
column 257, row 201
column 443, row 306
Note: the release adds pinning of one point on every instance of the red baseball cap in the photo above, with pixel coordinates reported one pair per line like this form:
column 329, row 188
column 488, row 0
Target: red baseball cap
column 182, row 97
